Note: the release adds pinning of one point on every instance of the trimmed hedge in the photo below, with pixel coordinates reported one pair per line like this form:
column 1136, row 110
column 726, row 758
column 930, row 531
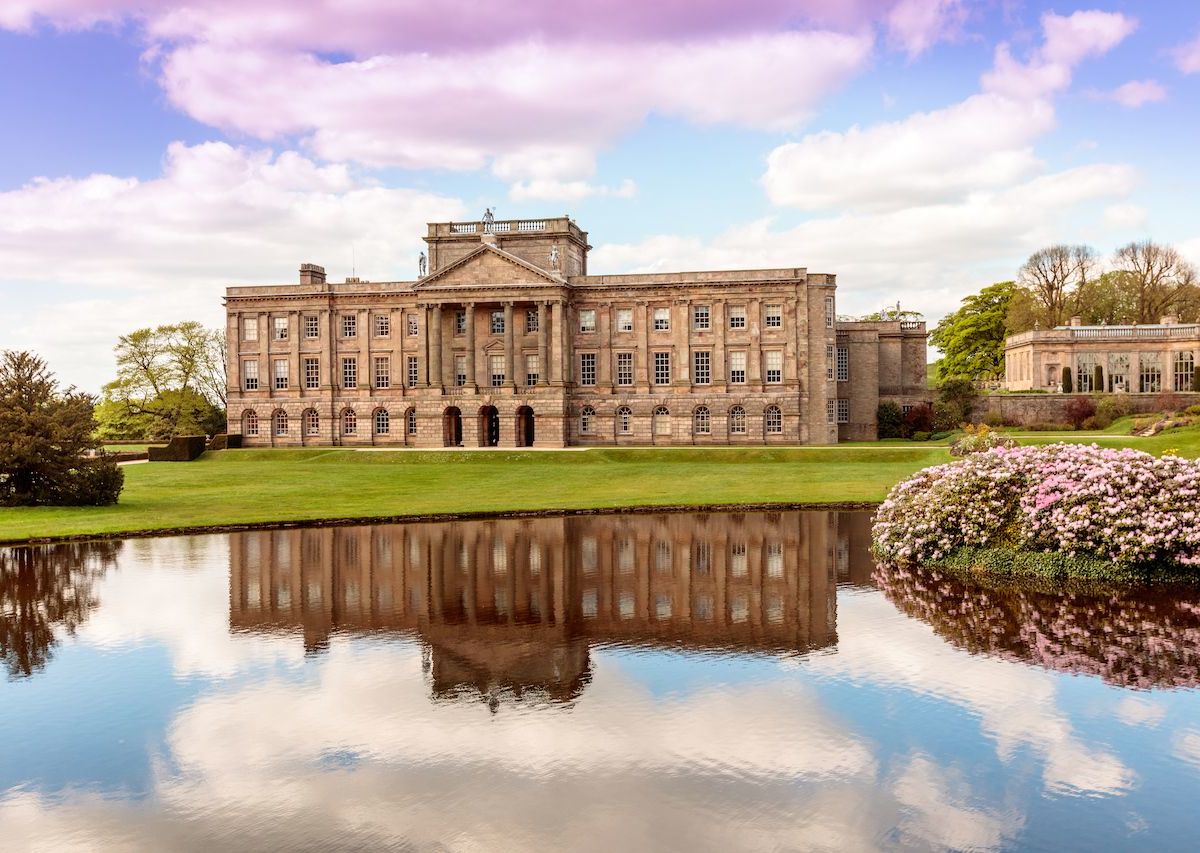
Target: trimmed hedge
column 183, row 448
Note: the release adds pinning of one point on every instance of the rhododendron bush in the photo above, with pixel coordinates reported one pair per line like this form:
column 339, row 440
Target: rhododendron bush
column 1124, row 506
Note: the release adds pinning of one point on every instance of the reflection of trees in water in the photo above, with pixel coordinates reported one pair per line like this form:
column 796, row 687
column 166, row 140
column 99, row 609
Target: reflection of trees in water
column 45, row 590
column 1133, row 637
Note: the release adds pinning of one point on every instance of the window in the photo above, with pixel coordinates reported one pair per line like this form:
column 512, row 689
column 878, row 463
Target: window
column 497, row 322
column 1185, row 365
column 412, row 368
column 662, row 368
column 702, row 367
column 250, row 423
column 830, row 412
column 774, row 359
column 383, row 325
column 586, row 418
column 349, row 422
column 587, row 368
column 533, row 369
column 1118, row 372
column 737, row 368
column 829, row 317
column 624, row 420
column 460, row 370
column 411, row 325
column 280, row 327
column 843, row 411
column 624, row 319
column 383, row 422
column 312, row 422
column 350, row 372
column 383, row 372
column 701, row 318
column 280, row 421
column 312, row 373
column 662, row 319
column 701, row 421
column 662, row 421
column 773, row 420
column 250, row 328
column 279, row 370
column 843, row 364
column 624, row 368
column 737, row 421
column 830, row 359
column 411, row 419
column 250, row 375
column 496, row 370
column 460, row 321
column 737, row 316
column 531, row 321
column 587, row 320
column 1085, row 372
column 312, row 326
column 349, row 326
column 774, row 317
column 1150, row 377
column 906, row 408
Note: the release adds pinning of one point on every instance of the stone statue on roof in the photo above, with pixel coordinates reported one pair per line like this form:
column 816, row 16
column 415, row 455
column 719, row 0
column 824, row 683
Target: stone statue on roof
column 489, row 219
column 421, row 265
column 554, row 257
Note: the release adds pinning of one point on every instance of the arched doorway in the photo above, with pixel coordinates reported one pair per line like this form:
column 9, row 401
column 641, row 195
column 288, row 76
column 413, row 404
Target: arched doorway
column 489, row 427
column 452, row 427
column 525, row 427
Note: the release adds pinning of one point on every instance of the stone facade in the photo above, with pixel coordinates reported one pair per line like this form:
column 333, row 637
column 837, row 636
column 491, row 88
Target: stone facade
column 1148, row 359
column 507, row 341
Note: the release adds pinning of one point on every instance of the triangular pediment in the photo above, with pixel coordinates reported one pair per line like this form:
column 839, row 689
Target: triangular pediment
column 488, row 266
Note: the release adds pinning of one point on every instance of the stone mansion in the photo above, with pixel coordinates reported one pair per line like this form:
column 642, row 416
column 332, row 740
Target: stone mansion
column 505, row 340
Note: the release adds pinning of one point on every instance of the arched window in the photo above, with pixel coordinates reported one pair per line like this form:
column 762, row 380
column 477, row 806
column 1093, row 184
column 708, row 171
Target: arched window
column 411, row 421
column 280, row 420
column 773, row 419
column 383, row 422
column 701, row 421
column 349, row 422
column 312, row 422
column 737, row 421
column 662, row 421
column 585, row 419
column 624, row 420
column 250, row 423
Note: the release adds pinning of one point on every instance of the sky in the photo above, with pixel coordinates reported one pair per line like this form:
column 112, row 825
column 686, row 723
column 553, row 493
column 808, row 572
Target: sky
column 157, row 152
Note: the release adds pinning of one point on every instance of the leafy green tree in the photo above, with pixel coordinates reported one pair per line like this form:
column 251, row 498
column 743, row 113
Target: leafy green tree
column 972, row 338
column 44, row 436
column 889, row 419
column 170, row 381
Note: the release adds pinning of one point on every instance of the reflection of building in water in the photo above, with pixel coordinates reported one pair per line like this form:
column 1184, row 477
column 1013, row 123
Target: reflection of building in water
column 1132, row 636
column 514, row 604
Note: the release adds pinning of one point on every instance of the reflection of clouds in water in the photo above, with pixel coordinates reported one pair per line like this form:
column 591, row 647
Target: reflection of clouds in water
column 1186, row 746
column 1135, row 711
column 360, row 755
column 176, row 592
column 1016, row 704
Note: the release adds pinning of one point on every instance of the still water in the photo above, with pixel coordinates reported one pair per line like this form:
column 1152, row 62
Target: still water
column 648, row 682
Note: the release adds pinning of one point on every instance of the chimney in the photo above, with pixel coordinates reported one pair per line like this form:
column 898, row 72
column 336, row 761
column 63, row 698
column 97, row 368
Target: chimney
column 1169, row 320
column 312, row 274
column 1076, row 320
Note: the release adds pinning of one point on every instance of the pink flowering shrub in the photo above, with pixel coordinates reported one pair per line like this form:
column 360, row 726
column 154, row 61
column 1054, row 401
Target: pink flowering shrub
column 1124, row 506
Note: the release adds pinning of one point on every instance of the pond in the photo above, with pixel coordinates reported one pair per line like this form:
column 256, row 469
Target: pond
column 622, row 682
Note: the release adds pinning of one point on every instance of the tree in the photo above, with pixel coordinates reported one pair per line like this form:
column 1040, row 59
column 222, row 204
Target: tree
column 170, row 381
column 44, row 435
column 972, row 338
column 1156, row 277
column 892, row 313
column 889, row 420
column 1054, row 276
column 1067, row 385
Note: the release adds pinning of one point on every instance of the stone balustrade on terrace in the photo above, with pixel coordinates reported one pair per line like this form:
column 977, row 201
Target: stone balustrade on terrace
column 1190, row 331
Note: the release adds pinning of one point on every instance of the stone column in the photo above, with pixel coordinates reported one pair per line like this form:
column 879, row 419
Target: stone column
column 510, row 366
column 754, row 351
column 435, row 347
column 643, row 358
column 720, row 372
column 604, row 351
column 681, row 333
column 558, row 345
column 472, row 387
column 543, row 344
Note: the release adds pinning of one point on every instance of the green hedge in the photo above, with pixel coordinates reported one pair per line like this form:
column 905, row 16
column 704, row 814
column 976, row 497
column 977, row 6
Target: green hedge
column 183, row 448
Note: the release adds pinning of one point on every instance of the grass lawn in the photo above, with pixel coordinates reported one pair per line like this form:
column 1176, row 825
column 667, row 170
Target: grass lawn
column 254, row 486
column 246, row 486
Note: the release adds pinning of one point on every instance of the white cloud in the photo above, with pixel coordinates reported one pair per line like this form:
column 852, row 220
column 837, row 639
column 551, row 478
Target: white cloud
column 86, row 259
column 543, row 189
column 1125, row 217
column 1187, row 56
column 1135, row 711
column 1137, row 93
column 916, row 25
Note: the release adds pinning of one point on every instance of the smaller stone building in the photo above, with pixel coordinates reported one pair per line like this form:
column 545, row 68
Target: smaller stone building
column 1149, row 359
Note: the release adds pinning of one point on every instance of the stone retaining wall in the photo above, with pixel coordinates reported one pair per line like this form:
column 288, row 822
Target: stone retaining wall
column 1025, row 409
